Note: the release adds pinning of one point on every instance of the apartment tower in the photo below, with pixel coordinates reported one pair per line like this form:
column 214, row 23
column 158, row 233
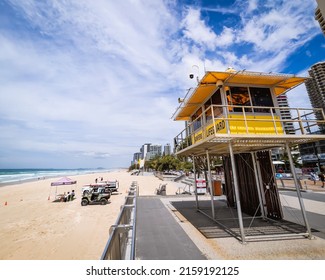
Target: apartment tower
column 285, row 114
column 316, row 86
column 320, row 13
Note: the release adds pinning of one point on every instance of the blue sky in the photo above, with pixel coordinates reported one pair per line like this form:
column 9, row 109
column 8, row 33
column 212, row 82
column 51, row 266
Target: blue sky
column 86, row 83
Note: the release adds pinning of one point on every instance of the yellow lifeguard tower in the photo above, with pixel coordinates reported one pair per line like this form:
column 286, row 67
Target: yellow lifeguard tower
column 235, row 114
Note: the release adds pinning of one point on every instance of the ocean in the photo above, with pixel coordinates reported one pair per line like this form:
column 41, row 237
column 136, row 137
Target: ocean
column 12, row 176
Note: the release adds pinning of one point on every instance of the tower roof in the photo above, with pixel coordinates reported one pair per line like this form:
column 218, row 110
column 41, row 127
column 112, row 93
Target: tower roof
column 281, row 83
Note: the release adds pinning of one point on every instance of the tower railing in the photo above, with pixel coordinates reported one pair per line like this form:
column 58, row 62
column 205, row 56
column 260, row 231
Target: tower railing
column 231, row 120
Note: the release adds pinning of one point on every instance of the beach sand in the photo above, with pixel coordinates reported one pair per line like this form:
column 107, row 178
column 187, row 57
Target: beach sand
column 33, row 227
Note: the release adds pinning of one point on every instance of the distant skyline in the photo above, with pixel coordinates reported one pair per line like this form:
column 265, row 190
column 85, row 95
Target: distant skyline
column 85, row 83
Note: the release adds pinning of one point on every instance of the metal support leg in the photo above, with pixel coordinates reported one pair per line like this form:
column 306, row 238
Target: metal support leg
column 195, row 185
column 234, row 172
column 258, row 185
column 297, row 185
column 210, row 184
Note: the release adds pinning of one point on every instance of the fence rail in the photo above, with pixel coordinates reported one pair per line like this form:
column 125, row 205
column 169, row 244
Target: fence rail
column 121, row 241
column 229, row 120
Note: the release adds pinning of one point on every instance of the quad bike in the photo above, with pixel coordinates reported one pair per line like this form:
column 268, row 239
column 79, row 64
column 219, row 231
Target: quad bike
column 95, row 196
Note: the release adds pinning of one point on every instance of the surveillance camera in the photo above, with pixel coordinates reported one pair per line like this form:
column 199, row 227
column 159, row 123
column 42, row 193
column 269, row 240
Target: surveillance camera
column 219, row 84
column 191, row 76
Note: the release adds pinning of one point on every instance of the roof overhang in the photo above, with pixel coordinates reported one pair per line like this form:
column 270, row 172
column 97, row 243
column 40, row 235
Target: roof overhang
column 241, row 143
column 280, row 83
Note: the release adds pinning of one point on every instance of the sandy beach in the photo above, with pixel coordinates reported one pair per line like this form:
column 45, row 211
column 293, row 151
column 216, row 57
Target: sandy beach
column 33, row 227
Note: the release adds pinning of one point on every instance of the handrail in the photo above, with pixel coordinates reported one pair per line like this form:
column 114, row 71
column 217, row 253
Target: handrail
column 297, row 118
column 189, row 91
column 121, row 241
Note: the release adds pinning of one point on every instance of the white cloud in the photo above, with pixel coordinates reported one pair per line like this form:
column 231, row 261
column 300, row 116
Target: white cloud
column 285, row 25
column 199, row 33
column 267, row 34
column 252, row 5
column 196, row 30
column 226, row 38
column 96, row 79
column 298, row 97
column 95, row 85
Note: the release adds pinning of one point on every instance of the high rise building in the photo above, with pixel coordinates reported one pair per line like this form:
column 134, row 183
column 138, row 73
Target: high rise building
column 167, row 150
column 320, row 14
column 313, row 154
column 282, row 100
column 154, row 150
column 316, row 86
column 285, row 114
column 149, row 151
column 144, row 150
column 136, row 158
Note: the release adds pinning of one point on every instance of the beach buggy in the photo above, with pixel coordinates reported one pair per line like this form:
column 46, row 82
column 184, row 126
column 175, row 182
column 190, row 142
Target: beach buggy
column 99, row 195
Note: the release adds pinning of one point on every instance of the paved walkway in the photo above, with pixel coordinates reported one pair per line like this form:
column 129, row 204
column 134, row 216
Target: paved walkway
column 314, row 203
column 159, row 236
column 169, row 228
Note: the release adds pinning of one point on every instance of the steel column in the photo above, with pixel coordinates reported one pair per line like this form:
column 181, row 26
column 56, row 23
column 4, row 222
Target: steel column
column 234, row 173
column 258, row 179
column 210, row 184
column 302, row 206
column 195, row 185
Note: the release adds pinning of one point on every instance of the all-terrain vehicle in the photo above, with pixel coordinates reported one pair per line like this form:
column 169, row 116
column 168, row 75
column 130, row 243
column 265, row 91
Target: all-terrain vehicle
column 95, row 196
column 112, row 186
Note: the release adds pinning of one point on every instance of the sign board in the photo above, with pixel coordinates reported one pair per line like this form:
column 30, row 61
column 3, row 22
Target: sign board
column 201, row 186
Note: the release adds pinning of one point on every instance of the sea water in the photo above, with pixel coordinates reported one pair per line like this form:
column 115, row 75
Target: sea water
column 11, row 176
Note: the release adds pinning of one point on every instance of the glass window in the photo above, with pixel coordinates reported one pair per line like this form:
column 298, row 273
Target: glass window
column 196, row 119
column 239, row 96
column 214, row 100
column 261, row 97
column 208, row 113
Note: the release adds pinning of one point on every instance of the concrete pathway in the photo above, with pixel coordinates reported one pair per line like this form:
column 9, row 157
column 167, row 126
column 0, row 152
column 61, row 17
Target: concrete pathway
column 159, row 236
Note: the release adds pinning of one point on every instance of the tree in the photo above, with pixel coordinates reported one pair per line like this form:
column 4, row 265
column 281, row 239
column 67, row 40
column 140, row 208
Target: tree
column 134, row 166
column 285, row 158
column 167, row 163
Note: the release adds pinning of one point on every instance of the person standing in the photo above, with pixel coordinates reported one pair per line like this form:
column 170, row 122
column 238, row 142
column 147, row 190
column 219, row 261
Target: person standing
column 72, row 195
column 322, row 178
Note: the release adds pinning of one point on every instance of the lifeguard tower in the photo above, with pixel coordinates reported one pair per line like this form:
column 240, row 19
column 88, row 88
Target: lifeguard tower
column 235, row 115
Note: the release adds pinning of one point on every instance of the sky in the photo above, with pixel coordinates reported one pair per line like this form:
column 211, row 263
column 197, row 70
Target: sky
column 84, row 84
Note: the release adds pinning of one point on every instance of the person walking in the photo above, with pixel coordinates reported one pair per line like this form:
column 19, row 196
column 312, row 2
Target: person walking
column 313, row 177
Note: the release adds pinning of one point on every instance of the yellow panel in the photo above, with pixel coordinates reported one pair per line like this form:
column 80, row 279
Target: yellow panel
column 237, row 125
column 255, row 125
column 197, row 137
column 220, row 127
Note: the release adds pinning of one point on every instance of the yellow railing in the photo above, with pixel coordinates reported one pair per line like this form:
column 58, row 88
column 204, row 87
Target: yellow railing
column 224, row 120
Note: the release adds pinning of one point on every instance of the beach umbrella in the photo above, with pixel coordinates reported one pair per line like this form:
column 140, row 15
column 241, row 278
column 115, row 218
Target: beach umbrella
column 63, row 181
